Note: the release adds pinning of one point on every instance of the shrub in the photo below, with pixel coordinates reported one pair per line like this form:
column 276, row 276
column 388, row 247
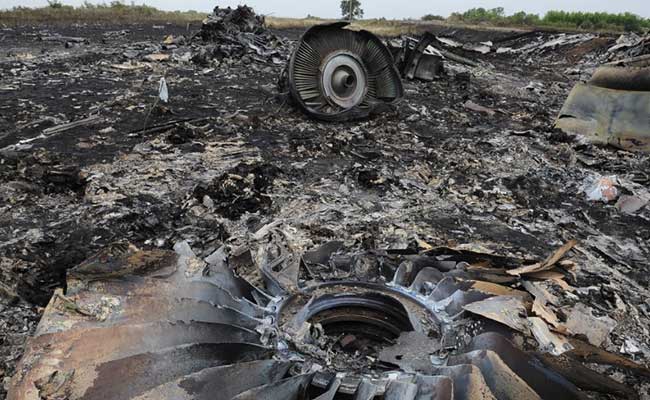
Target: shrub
column 560, row 19
column 431, row 17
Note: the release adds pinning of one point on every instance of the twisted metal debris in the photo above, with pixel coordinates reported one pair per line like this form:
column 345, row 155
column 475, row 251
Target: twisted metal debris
column 336, row 74
column 613, row 107
column 137, row 324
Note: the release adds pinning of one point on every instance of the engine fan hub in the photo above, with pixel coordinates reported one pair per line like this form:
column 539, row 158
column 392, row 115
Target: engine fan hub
column 344, row 326
column 343, row 80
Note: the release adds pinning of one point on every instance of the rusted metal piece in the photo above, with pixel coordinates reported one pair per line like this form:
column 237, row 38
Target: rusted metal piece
column 585, row 378
column 503, row 382
column 129, row 313
column 157, row 325
column 547, row 383
column 613, row 107
column 336, row 74
column 469, row 382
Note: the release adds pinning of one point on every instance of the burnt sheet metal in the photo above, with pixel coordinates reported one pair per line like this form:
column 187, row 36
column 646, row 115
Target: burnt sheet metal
column 613, row 107
column 547, row 383
column 336, row 74
column 420, row 61
column 142, row 325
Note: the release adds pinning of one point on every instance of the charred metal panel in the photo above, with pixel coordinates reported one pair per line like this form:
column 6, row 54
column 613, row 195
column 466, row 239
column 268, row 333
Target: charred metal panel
column 613, row 107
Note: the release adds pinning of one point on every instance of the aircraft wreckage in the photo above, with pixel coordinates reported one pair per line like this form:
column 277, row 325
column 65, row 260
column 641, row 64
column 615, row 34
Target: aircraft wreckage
column 613, row 107
column 328, row 324
column 336, row 74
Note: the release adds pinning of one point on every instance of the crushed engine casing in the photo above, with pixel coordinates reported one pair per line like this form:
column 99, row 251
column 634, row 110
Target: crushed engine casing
column 613, row 107
column 137, row 324
column 337, row 74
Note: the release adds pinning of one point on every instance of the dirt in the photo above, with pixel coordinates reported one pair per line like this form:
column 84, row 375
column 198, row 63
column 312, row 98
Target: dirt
column 228, row 156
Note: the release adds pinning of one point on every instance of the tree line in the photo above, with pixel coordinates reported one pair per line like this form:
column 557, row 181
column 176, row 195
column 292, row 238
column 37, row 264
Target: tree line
column 560, row 19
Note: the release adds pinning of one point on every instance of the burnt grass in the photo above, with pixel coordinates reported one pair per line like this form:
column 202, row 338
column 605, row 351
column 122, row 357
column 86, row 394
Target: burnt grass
column 231, row 156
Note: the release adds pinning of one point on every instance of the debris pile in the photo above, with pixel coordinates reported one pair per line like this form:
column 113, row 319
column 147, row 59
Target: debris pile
column 226, row 22
column 235, row 34
column 424, row 58
column 241, row 190
column 629, row 45
column 468, row 179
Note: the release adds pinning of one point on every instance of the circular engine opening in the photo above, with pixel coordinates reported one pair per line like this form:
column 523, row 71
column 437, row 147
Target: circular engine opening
column 343, row 80
column 361, row 330
column 360, row 325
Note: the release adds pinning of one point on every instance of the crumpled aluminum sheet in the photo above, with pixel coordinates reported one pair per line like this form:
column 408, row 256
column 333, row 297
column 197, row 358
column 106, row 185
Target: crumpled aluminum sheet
column 613, row 107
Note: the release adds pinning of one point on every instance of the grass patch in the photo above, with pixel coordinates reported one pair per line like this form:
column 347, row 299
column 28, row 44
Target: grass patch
column 294, row 23
column 382, row 27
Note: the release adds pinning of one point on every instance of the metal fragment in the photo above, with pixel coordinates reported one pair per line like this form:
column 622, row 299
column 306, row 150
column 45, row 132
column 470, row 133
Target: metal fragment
column 613, row 107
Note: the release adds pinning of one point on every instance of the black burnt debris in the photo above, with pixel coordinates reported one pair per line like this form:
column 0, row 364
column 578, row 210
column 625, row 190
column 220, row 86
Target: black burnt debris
column 240, row 190
column 458, row 245
column 237, row 33
column 231, row 21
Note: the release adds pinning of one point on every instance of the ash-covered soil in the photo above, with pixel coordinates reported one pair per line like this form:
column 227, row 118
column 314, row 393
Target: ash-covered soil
column 227, row 155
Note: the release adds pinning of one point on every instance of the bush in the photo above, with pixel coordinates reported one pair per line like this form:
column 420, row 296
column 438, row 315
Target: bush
column 431, row 17
column 54, row 4
column 559, row 19
column 116, row 11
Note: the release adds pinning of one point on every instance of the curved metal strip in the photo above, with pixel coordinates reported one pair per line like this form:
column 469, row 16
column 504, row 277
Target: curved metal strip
column 587, row 352
column 544, row 381
column 133, row 376
column 399, row 390
column 288, row 389
column 426, row 276
column 331, row 391
column 220, row 275
column 462, row 298
column 71, row 350
column 469, row 383
column 434, row 388
column 157, row 288
column 586, row 378
column 222, row 382
column 366, row 390
column 445, row 288
column 503, row 382
column 96, row 310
